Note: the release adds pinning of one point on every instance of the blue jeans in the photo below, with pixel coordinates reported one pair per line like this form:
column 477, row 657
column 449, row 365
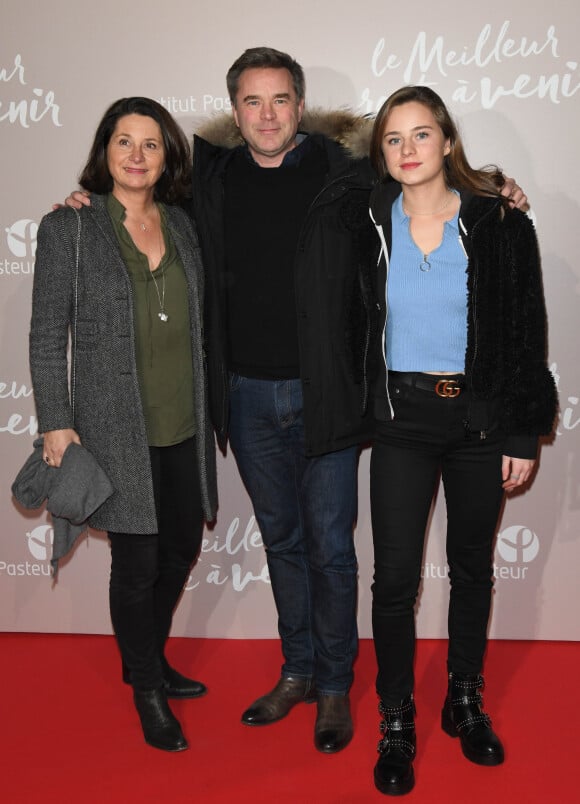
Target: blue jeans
column 306, row 509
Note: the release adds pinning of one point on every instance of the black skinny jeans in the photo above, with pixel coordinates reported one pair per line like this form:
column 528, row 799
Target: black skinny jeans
column 148, row 571
column 428, row 437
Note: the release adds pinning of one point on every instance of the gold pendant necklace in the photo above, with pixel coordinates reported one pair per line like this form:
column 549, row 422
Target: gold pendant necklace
column 425, row 265
column 409, row 212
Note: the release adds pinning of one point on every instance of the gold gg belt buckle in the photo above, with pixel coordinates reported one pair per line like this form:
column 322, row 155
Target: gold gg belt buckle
column 448, row 388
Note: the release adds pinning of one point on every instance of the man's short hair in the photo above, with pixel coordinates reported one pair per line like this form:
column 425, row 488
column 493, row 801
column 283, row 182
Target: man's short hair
column 259, row 57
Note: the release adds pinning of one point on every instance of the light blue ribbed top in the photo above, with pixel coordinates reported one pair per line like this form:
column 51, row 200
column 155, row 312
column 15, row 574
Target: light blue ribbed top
column 427, row 310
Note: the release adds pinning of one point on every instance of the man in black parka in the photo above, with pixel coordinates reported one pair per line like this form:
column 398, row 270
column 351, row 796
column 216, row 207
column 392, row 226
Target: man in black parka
column 281, row 204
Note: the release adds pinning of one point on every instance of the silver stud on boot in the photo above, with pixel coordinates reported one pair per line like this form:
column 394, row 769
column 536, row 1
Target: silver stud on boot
column 394, row 775
column 463, row 717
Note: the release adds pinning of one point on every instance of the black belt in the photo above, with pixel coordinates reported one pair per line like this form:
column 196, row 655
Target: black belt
column 449, row 386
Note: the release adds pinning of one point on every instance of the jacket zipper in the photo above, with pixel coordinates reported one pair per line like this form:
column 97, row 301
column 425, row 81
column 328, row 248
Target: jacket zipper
column 482, row 433
column 313, row 204
column 384, row 252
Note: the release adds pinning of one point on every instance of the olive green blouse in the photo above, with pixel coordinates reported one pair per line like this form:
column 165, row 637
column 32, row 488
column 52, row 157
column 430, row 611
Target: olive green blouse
column 162, row 335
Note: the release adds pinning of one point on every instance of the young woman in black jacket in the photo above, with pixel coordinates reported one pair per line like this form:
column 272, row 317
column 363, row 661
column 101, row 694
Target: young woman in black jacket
column 464, row 390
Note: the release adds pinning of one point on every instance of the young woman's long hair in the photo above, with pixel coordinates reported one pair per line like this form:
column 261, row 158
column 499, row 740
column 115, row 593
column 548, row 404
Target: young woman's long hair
column 459, row 174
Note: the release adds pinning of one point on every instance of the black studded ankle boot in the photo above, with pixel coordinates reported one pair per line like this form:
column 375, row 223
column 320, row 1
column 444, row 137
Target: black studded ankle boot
column 394, row 774
column 463, row 717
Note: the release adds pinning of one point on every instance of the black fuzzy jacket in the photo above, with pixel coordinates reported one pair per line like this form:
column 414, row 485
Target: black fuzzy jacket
column 506, row 327
column 333, row 262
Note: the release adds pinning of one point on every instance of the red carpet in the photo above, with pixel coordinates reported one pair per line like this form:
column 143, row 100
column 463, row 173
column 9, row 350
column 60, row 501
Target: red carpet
column 70, row 733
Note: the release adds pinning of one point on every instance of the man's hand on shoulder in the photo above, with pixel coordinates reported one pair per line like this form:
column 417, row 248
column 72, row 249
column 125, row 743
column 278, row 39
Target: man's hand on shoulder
column 77, row 199
column 515, row 195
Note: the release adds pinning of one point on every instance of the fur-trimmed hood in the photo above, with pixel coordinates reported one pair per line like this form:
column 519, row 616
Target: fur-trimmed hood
column 335, row 245
column 351, row 131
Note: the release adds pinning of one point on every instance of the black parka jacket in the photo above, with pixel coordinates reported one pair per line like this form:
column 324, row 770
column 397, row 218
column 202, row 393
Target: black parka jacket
column 335, row 256
column 506, row 358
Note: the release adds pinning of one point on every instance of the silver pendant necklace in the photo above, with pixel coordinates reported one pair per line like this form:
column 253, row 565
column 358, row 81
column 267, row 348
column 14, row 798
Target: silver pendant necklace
column 425, row 265
column 161, row 315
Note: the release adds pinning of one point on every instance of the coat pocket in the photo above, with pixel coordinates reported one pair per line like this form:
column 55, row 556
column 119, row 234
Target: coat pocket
column 86, row 334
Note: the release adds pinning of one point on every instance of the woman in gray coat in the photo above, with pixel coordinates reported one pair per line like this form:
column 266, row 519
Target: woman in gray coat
column 123, row 278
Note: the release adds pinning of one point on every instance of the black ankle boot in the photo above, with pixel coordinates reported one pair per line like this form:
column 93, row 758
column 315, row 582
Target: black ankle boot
column 175, row 684
column 160, row 726
column 463, row 717
column 394, row 774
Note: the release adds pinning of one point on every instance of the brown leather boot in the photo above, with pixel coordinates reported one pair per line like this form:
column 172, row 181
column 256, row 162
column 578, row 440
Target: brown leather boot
column 333, row 729
column 278, row 702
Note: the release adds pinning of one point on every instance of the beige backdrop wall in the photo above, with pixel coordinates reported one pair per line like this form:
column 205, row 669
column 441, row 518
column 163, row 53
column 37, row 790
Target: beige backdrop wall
column 513, row 80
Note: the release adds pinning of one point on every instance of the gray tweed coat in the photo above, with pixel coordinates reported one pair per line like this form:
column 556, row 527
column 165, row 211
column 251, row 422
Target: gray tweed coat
column 107, row 404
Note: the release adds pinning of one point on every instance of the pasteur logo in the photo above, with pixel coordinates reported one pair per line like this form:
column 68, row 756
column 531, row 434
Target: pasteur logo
column 21, row 238
column 40, row 542
column 518, row 544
